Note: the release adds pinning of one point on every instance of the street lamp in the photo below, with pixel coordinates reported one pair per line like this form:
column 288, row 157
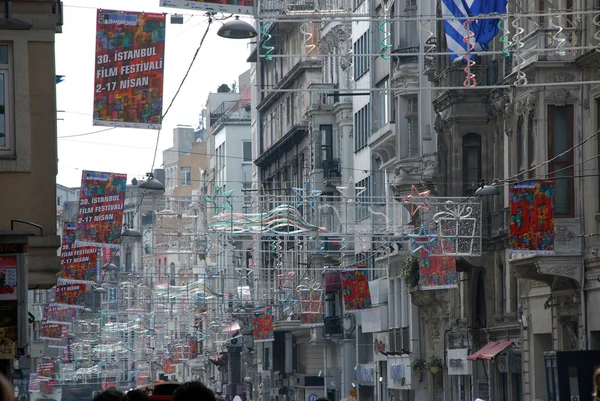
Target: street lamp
column 110, row 267
column 486, row 190
column 236, row 29
column 151, row 183
column 131, row 233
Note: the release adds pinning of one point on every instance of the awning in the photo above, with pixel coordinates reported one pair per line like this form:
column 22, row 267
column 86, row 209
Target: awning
column 490, row 350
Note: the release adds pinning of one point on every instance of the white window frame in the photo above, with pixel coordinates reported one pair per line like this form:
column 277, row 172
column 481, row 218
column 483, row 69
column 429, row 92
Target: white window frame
column 412, row 137
column 6, row 70
column 186, row 176
column 244, row 144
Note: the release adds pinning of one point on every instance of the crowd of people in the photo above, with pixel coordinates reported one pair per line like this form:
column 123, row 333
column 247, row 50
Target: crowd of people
column 191, row 391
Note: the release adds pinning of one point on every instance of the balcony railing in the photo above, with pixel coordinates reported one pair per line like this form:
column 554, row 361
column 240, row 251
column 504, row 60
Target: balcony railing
column 232, row 110
column 333, row 325
column 331, row 168
column 405, row 59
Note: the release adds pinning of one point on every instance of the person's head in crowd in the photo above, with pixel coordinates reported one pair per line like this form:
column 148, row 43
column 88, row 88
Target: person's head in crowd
column 110, row 394
column 137, row 395
column 193, row 391
column 6, row 391
column 597, row 384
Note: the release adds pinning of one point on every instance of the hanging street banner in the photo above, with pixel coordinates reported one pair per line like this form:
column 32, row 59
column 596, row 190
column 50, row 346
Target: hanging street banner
column 59, row 314
column 72, row 295
column 436, row 270
column 62, row 342
column 51, row 331
column 78, row 264
column 8, row 278
column 355, row 289
column 531, row 229
column 311, row 305
column 262, row 325
column 215, row 6
column 101, row 202
column 128, row 81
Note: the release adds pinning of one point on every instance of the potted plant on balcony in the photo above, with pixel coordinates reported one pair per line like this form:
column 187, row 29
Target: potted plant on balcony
column 410, row 271
column 435, row 365
column 419, row 365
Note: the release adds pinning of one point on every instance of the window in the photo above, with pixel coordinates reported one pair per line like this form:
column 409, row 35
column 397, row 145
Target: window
column 186, row 176
column 6, row 139
column 412, row 126
column 58, row 201
column 531, row 143
column 560, row 137
column 326, row 142
column 363, row 199
column 362, row 127
column 471, row 163
column 382, row 104
column 521, row 145
column 362, row 49
column 247, row 151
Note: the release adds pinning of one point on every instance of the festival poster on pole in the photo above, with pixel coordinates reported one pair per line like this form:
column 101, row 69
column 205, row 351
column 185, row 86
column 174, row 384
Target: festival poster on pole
column 215, row 6
column 8, row 329
column 59, row 314
column 44, row 368
column 78, row 264
column 61, row 342
column 531, row 228
column 72, row 295
column 101, row 209
column 8, row 278
column 437, row 270
column 355, row 289
column 262, row 325
column 51, row 331
column 128, row 80
column 34, row 383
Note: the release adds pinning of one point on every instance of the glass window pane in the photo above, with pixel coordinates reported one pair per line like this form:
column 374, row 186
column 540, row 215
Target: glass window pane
column 2, row 110
column 560, row 137
column 3, row 54
column 561, row 191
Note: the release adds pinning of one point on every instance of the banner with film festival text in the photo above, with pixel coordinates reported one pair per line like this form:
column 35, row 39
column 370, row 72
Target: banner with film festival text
column 531, row 227
column 77, row 264
column 128, row 80
column 72, row 295
column 100, row 218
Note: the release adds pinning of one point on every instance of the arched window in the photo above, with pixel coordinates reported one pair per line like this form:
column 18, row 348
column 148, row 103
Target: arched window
column 471, row 163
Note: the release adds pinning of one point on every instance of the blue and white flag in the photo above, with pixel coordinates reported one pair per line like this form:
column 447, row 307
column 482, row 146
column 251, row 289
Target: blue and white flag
column 456, row 12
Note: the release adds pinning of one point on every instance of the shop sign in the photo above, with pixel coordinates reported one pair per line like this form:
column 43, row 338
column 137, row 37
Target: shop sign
column 457, row 362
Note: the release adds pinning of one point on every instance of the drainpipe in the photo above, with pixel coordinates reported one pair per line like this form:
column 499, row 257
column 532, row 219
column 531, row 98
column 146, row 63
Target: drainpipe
column 584, row 317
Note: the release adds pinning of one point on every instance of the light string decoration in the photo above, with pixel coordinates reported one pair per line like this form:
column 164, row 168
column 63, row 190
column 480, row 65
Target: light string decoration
column 264, row 27
column 429, row 44
column 384, row 28
column 470, row 80
column 517, row 40
column 504, row 38
column 308, row 43
column 596, row 22
column 558, row 39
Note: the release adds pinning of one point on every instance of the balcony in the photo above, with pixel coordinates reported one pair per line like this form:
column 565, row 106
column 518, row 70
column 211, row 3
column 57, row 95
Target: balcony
column 333, row 326
column 455, row 75
column 332, row 172
column 542, row 45
column 406, row 64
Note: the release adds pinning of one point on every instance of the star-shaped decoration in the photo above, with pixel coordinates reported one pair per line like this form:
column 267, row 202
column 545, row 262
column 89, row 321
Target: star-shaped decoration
column 307, row 195
column 350, row 192
column 417, row 200
column 221, row 200
column 422, row 240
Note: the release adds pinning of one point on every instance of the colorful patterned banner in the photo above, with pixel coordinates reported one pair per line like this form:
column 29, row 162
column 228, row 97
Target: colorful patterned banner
column 44, row 368
column 215, row 6
column 262, row 325
column 101, row 209
column 128, row 86
column 436, row 270
column 8, row 278
column 34, row 383
column 531, row 228
column 355, row 287
column 72, row 295
column 8, row 329
column 77, row 264
column 62, row 342
column 59, row 314
column 51, row 331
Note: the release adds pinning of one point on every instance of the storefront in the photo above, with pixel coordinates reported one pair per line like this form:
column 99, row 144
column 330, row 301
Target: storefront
column 460, row 371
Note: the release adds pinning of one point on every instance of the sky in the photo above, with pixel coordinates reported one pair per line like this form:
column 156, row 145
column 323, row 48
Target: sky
column 128, row 150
